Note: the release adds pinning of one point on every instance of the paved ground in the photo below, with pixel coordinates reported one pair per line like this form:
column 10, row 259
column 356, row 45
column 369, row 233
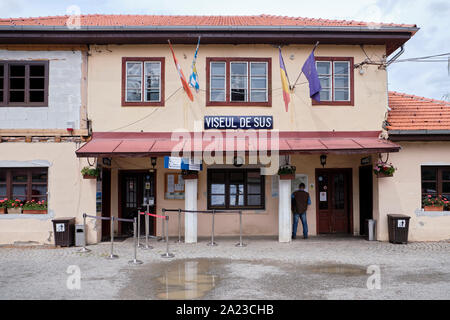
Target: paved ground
column 317, row 268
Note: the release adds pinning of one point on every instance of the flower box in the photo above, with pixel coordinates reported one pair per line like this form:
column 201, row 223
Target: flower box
column 2, row 211
column 87, row 176
column 384, row 175
column 287, row 176
column 433, row 208
column 14, row 210
column 34, row 211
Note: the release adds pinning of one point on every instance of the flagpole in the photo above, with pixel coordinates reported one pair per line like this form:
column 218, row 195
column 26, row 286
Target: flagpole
column 301, row 72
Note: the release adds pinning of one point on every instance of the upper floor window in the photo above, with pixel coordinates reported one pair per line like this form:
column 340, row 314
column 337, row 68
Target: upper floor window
column 336, row 79
column 238, row 81
column 143, row 81
column 23, row 83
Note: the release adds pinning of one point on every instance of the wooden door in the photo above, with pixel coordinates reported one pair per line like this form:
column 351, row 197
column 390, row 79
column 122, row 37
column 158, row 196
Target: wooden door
column 137, row 189
column 365, row 197
column 333, row 197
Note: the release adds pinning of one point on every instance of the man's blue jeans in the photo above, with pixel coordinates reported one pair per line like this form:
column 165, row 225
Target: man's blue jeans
column 302, row 216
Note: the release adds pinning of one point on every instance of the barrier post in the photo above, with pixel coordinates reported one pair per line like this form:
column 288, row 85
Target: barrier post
column 212, row 243
column 135, row 261
column 179, row 227
column 84, row 249
column 167, row 254
column 163, row 228
column 147, row 227
column 240, row 244
column 139, row 230
column 112, row 255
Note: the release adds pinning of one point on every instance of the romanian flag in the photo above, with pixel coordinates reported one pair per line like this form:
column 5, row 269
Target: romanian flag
column 284, row 82
column 180, row 73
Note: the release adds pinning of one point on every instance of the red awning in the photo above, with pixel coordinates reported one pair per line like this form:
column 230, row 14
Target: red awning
column 143, row 144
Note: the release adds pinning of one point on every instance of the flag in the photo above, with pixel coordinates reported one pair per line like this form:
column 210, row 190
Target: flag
column 310, row 72
column 284, row 82
column 193, row 79
column 180, row 73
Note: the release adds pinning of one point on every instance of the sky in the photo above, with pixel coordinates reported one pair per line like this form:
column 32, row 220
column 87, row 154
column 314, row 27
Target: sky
column 427, row 79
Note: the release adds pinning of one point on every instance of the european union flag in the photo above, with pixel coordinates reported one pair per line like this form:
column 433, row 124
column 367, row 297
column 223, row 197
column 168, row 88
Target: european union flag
column 310, row 71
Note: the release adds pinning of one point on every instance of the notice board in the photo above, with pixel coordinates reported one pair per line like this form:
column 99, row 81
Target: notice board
column 173, row 186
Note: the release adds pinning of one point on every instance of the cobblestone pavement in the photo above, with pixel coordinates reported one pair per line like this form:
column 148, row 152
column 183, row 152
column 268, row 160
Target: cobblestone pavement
column 317, row 268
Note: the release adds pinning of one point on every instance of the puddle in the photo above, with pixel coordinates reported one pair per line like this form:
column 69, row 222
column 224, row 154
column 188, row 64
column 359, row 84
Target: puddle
column 339, row 269
column 186, row 280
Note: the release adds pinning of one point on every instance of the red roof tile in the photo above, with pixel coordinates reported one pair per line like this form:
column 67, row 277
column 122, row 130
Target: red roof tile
column 171, row 20
column 410, row 112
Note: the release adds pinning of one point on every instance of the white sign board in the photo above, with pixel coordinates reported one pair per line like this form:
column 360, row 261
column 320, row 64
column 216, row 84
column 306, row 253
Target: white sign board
column 60, row 227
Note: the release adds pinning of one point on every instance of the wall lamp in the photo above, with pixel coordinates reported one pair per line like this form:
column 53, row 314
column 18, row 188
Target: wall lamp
column 153, row 162
column 323, row 160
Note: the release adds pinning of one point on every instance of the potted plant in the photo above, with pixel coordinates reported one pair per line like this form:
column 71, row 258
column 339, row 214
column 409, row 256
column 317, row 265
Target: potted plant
column 90, row 173
column 3, row 206
column 384, row 169
column 33, row 207
column 435, row 203
column 189, row 174
column 14, row 206
column 287, row 172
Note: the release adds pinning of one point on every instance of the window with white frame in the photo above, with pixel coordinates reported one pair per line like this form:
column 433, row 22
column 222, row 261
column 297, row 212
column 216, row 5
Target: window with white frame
column 336, row 79
column 143, row 81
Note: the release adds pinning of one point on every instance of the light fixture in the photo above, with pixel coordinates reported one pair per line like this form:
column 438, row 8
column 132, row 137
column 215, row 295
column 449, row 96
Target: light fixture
column 361, row 70
column 153, row 162
column 323, row 160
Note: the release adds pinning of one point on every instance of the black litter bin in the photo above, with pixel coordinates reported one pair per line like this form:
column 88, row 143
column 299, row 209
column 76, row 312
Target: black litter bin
column 64, row 230
column 398, row 225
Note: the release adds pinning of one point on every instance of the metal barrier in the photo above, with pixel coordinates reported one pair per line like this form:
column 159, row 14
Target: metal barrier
column 165, row 230
column 213, row 212
column 112, row 255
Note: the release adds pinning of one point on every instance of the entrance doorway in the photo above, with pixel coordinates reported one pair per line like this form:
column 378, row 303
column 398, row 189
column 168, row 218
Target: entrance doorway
column 365, row 197
column 334, row 201
column 137, row 189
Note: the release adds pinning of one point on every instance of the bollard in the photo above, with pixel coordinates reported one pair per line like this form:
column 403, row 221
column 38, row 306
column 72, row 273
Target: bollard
column 147, row 227
column 212, row 243
column 84, row 249
column 240, row 244
column 163, row 228
column 167, row 254
column 179, row 227
column 139, row 231
column 112, row 255
column 135, row 261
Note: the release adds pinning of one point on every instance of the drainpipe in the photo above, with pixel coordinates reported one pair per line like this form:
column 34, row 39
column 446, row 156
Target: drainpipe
column 398, row 54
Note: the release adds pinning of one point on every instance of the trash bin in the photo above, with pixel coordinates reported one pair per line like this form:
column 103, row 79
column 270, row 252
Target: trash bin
column 370, row 229
column 64, row 230
column 80, row 236
column 398, row 225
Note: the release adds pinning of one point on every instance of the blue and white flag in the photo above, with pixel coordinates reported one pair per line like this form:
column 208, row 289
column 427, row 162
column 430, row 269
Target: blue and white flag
column 193, row 79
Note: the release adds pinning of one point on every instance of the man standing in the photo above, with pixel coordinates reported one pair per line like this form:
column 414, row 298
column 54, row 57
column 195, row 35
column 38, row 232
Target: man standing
column 300, row 202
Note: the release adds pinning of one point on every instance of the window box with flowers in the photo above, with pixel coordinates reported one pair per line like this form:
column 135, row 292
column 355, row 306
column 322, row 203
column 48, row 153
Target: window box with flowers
column 434, row 203
column 90, row 173
column 33, row 207
column 3, row 206
column 14, row 206
column 287, row 172
column 384, row 169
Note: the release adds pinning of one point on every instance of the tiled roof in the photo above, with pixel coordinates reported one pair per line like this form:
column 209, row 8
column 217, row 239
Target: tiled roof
column 172, row 20
column 410, row 112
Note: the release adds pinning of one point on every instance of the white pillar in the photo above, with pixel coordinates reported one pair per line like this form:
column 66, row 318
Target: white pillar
column 284, row 211
column 190, row 203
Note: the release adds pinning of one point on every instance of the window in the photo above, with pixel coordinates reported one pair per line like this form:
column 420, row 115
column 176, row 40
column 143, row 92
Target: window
column 235, row 189
column 143, row 81
column 238, row 81
column 23, row 83
column 336, row 79
column 25, row 184
column 436, row 181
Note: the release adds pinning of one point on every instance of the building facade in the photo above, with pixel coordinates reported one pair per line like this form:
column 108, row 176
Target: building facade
column 129, row 111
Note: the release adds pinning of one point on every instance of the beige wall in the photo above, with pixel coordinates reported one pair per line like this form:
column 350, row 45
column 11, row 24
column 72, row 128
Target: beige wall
column 256, row 222
column 401, row 194
column 69, row 195
column 105, row 74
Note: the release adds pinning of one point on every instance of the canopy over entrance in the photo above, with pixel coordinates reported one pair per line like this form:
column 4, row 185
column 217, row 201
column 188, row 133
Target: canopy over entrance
column 144, row 144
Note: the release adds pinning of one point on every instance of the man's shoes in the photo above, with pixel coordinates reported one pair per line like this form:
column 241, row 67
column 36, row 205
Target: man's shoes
column 305, row 237
column 293, row 237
